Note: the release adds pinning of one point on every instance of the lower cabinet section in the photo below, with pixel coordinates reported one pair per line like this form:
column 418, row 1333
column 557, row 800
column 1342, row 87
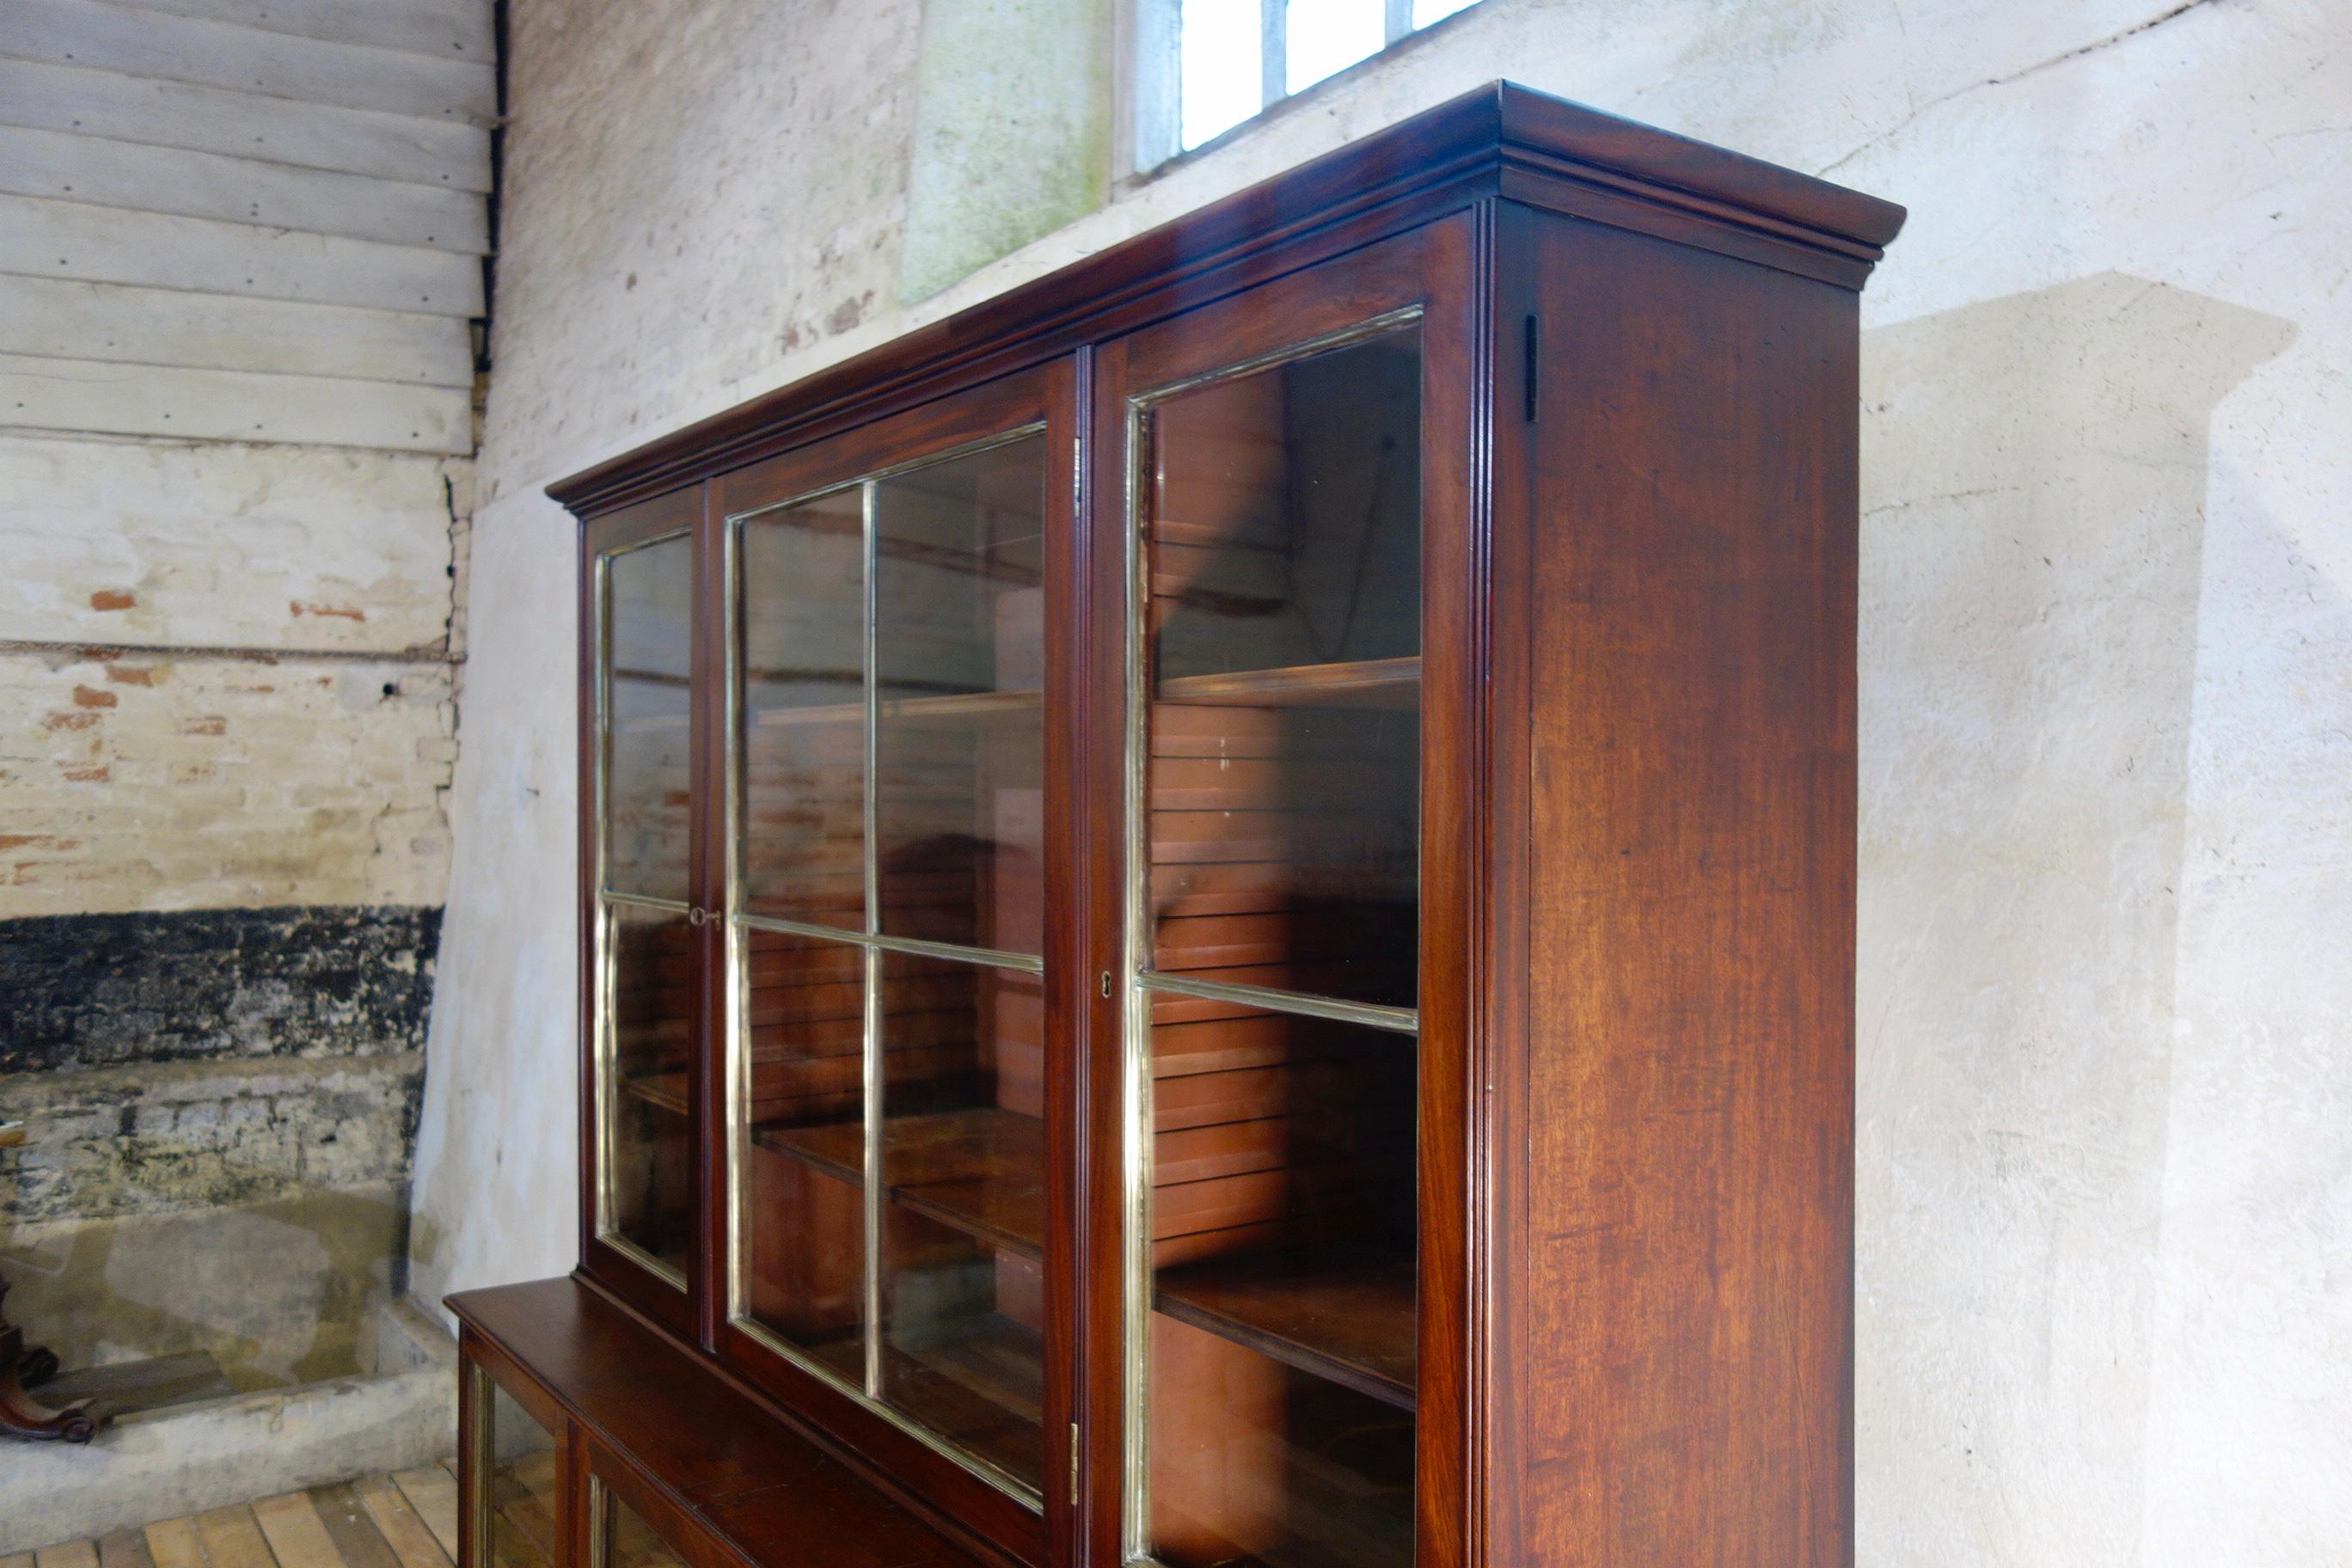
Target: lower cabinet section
column 588, row 1440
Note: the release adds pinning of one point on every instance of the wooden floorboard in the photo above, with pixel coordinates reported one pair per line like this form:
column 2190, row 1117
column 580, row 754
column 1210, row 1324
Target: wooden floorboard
column 404, row 1521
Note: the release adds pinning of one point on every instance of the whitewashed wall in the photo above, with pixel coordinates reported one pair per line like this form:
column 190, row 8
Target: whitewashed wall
column 2105, row 1021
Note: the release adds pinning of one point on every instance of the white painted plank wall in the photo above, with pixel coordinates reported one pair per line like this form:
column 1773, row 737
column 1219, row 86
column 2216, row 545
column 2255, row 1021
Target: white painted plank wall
column 220, row 54
column 113, row 245
column 55, row 318
column 88, row 398
column 68, row 167
column 442, row 153
column 248, row 220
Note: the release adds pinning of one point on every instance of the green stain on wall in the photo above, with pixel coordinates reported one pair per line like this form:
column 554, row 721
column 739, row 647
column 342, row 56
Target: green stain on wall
column 1011, row 131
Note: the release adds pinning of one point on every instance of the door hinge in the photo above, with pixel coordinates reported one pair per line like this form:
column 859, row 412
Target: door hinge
column 1530, row 340
column 1074, row 1463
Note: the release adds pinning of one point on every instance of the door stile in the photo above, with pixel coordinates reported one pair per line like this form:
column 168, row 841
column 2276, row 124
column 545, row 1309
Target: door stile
column 714, row 807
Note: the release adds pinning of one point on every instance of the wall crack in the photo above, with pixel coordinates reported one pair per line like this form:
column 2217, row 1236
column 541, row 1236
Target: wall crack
column 2096, row 45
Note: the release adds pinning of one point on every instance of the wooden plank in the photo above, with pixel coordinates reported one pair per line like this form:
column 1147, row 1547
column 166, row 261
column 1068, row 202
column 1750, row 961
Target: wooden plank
column 55, row 318
column 43, row 239
column 432, row 1491
column 347, row 1521
column 444, row 29
column 68, row 1555
column 21, row 1560
column 297, row 1535
column 443, row 153
column 232, row 405
column 231, row 1539
column 172, row 1545
column 407, row 1535
column 218, row 54
column 71, row 166
column 124, row 1549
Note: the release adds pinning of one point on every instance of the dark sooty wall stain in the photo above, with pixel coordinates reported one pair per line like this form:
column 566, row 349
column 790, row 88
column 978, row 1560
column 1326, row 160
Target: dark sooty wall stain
column 95, row 991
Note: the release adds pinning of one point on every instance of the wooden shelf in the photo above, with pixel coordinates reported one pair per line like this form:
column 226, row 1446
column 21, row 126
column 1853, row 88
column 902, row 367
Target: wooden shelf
column 663, row 1089
column 1350, row 1317
column 1356, row 683
column 979, row 1389
column 947, row 705
column 980, row 1170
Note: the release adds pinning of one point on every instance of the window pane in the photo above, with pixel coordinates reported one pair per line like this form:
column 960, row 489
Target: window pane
column 646, row 1164
column 804, row 719
column 963, row 1176
column 1328, row 35
column 520, row 1493
column 649, row 651
column 803, row 1168
column 1284, row 737
column 960, row 655
column 1424, row 12
column 1218, row 62
column 1284, row 1328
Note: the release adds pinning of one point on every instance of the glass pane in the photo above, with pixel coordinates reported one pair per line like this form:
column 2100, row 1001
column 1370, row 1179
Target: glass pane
column 963, row 1171
column 649, row 650
column 1283, row 1323
column 1327, row 36
column 624, row 1540
column 960, row 656
column 1424, row 12
column 647, row 1175
column 1284, row 644
column 1217, row 65
column 520, row 1493
column 803, row 718
column 804, row 1166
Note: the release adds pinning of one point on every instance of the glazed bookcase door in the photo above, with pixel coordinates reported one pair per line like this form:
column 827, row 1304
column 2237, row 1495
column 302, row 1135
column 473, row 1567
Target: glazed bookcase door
column 648, row 923
column 892, row 1101
column 1291, row 1141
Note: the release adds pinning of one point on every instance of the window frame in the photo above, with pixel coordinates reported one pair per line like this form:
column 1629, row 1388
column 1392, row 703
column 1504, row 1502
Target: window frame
column 1149, row 38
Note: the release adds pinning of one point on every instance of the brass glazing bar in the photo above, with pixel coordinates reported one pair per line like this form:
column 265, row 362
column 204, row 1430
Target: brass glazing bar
column 872, row 1034
column 1397, row 1020
column 648, row 902
column 993, row 958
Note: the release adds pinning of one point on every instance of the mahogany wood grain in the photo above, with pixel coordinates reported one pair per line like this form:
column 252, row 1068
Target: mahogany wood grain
column 1682, row 1281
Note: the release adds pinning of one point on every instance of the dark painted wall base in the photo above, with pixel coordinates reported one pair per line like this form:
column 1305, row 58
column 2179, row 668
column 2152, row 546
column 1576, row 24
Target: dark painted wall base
column 95, row 991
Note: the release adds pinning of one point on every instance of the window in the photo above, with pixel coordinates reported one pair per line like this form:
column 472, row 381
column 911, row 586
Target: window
column 1206, row 66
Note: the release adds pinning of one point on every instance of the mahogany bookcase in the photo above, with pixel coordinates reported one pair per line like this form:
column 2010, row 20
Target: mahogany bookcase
column 1217, row 905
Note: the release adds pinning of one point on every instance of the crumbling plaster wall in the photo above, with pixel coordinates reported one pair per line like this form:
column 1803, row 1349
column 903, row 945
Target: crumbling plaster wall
column 2104, row 1297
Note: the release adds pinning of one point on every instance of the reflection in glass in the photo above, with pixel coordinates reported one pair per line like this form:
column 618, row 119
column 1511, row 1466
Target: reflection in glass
column 804, row 714
column 648, row 650
column 647, row 1179
column 620, row 1538
column 518, row 1475
column 804, row 1240
column 1281, row 816
column 1284, row 624
column 959, row 652
column 963, row 1166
